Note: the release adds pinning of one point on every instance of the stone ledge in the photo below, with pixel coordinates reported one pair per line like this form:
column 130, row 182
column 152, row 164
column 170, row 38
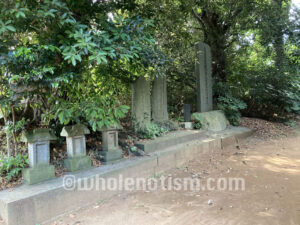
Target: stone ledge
column 27, row 205
column 169, row 140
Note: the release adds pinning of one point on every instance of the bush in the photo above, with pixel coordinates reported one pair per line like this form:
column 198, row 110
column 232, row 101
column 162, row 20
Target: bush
column 12, row 166
column 231, row 106
column 156, row 129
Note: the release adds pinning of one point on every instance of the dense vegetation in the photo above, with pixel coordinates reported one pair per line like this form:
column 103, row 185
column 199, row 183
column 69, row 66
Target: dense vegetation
column 64, row 62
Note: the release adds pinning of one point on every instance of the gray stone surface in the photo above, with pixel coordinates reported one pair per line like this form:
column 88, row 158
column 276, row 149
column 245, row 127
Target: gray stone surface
column 39, row 156
column 141, row 103
column 110, row 140
column 203, row 72
column 76, row 147
column 38, row 174
column 35, row 204
column 73, row 131
column 187, row 125
column 111, row 156
column 110, row 145
column 78, row 163
column 39, row 153
column 212, row 121
column 187, row 112
column 159, row 99
column 38, row 135
column 168, row 140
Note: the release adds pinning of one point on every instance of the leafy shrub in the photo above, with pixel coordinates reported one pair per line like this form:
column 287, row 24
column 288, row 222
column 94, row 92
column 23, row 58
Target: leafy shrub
column 156, row 129
column 12, row 166
column 197, row 125
column 151, row 131
column 231, row 106
column 167, row 125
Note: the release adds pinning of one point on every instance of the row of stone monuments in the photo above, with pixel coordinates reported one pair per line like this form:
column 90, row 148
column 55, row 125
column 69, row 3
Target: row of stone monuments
column 147, row 105
column 39, row 151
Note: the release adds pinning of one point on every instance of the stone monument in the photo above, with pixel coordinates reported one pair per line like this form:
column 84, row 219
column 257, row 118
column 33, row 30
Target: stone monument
column 76, row 147
column 110, row 146
column 209, row 120
column 203, row 72
column 141, row 103
column 159, row 100
column 39, row 156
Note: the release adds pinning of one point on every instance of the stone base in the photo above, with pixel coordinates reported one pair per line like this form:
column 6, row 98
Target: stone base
column 38, row 174
column 187, row 125
column 78, row 163
column 110, row 156
column 212, row 121
column 39, row 204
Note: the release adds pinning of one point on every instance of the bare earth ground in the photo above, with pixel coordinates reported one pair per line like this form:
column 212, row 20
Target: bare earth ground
column 269, row 165
column 271, row 169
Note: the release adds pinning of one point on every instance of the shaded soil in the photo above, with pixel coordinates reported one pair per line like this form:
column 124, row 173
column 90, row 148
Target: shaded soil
column 270, row 166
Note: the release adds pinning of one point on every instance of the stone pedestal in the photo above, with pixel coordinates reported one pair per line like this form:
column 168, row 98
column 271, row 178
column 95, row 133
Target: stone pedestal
column 159, row 100
column 203, row 72
column 110, row 147
column 39, row 156
column 212, row 121
column 187, row 125
column 141, row 106
column 76, row 147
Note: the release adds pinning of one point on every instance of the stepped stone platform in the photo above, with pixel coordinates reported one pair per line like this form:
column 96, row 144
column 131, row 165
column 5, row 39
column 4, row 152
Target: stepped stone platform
column 39, row 203
column 169, row 140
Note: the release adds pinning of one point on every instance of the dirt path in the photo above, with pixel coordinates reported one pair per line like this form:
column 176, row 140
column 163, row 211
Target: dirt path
column 271, row 170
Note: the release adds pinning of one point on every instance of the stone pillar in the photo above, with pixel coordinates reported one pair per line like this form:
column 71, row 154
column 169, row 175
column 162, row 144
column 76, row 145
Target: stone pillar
column 110, row 146
column 39, row 156
column 159, row 100
column 141, row 107
column 203, row 72
column 76, row 147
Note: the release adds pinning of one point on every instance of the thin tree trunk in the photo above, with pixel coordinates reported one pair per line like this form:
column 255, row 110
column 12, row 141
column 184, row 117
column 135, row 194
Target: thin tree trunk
column 7, row 135
column 14, row 132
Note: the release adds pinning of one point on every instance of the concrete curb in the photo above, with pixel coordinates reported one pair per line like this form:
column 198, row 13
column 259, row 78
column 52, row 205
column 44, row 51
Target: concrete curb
column 29, row 205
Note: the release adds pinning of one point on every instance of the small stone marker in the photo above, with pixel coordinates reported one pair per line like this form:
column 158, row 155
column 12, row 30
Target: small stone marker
column 110, row 147
column 39, row 156
column 76, row 147
column 203, row 72
column 187, row 124
column 187, row 112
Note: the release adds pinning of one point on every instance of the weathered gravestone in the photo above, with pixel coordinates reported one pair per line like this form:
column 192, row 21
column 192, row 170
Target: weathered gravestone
column 76, row 147
column 39, row 156
column 203, row 74
column 187, row 124
column 208, row 119
column 141, row 106
column 159, row 100
column 110, row 146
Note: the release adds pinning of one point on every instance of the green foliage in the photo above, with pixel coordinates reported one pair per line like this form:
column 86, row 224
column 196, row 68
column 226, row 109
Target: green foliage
column 197, row 124
column 231, row 106
column 198, row 120
column 12, row 166
column 151, row 131
column 97, row 112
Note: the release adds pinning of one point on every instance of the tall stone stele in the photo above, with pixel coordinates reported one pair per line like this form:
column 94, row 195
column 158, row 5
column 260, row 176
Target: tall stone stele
column 159, row 100
column 76, row 147
column 203, row 72
column 39, row 156
column 141, row 103
column 209, row 120
column 110, row 145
